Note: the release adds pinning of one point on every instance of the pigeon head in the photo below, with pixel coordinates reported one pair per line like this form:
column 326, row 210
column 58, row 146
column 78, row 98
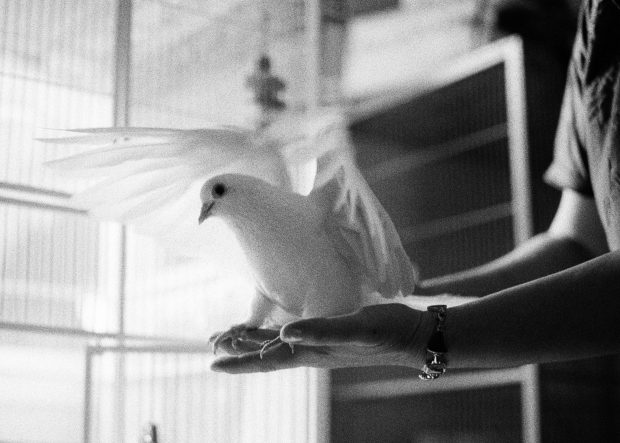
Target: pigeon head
column 232, row 194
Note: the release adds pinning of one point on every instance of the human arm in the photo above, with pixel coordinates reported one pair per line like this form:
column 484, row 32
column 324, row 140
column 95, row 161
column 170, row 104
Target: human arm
column 575, row 235
column 567, row 315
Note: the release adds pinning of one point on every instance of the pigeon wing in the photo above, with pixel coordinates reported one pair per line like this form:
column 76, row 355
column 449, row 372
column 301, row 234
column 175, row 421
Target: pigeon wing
column 151, row 177
column 359, row 226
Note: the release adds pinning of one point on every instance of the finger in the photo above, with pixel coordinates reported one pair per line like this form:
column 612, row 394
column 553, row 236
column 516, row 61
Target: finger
column 238, row 346
column 261, row 335
column 422, row 288
column 255, row 335
column 274, row 358
column 351, row 329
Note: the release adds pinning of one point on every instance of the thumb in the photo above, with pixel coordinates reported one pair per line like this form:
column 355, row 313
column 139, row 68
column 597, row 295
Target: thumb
column 351, row 329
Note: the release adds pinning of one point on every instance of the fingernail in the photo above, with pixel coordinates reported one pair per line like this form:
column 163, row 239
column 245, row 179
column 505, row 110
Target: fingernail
column 292, row 335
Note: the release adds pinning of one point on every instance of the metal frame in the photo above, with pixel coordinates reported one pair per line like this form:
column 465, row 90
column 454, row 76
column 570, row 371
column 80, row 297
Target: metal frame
column 509, row 52
column 122, row 91
column 523, row 220
column 120, row 109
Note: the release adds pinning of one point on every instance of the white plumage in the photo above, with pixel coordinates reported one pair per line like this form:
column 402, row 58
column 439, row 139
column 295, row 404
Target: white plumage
column 325, row 253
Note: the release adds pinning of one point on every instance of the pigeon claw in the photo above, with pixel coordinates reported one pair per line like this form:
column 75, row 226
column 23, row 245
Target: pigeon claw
column 233, row 334
column 268, row 344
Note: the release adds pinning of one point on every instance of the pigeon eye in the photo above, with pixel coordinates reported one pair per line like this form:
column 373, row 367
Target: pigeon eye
column 218, row 190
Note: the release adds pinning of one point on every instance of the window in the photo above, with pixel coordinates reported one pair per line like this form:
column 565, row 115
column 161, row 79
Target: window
column 103, row 331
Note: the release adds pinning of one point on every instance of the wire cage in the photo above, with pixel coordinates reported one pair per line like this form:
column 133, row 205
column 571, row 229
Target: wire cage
column 460, row 145
column 103, row 331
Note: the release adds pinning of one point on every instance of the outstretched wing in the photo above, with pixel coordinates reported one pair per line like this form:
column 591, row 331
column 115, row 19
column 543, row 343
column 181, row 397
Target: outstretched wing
column 150, row 177
column 358, row 224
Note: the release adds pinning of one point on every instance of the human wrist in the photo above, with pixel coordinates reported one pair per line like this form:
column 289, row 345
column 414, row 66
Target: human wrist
column 422, row 336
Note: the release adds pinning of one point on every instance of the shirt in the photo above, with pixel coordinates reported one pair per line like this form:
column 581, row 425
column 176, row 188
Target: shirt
column 587, row 145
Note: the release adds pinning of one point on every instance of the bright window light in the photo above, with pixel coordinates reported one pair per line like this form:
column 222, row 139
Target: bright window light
column 129, row 318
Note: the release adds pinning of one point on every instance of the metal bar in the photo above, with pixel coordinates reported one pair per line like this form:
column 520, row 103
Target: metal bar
column 121, row 94
column 518, row 145
column 19, row 263
column 122, row 54
column 26, row 189
column 530, row 405
column 39, row 204
column 27, row 269
column 88, row 380
column 313, row 52
column 76, row 332
column 407, row 386
column 52, row 266
column 3, row 263
column 319, row 408
column 433, row 154
column 455, row 223
column 523, row 222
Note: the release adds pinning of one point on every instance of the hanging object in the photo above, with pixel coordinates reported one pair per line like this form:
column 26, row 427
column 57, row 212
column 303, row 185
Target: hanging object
column 149, row 434
column 266, row 87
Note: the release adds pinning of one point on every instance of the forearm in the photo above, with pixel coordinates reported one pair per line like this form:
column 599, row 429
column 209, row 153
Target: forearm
column 571, row 314
column 542, row 255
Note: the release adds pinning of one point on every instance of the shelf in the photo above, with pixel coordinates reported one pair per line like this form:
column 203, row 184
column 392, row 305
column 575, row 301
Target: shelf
column 455, row 223
column 435, row 154
column 413, row 386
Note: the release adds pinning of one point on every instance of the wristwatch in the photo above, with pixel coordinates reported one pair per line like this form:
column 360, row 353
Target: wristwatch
column 436, row 360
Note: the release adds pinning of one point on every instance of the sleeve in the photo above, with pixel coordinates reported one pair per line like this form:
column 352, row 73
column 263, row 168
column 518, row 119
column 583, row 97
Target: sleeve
column 569, row 168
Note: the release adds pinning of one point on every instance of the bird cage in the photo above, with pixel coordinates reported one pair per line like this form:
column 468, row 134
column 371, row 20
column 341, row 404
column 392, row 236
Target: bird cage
column 104, row 333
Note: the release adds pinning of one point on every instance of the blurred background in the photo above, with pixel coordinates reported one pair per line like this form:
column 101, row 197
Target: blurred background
column 452, row 107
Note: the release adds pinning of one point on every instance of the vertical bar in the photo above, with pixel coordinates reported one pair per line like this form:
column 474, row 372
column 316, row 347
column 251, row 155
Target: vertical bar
column 77, row 291
column 27, row 268
column 205, row 425
column 88, row 367
column 31, row 96
column 313, row 52
column 64, row 297
column 152, row 388
column 140, row 380
column 122, row 64
column 318, row 405
column 19, row 265
column 120, row 394
column 530, row 404
column 522, row 210
column 10, row 70
column 3, row 263
column 175, row 375
column 52, row 268
column 518, row 145
column 514, row 71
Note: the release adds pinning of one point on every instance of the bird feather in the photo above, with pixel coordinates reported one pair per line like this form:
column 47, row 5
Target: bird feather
column 151, row 178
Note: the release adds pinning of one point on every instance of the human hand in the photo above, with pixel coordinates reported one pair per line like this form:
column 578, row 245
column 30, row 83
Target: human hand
column 386, row 334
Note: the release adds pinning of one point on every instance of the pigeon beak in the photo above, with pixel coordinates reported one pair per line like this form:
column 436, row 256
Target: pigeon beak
column 204, row 212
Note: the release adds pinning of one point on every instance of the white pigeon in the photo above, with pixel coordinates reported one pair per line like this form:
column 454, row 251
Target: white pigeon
column 325, row 253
